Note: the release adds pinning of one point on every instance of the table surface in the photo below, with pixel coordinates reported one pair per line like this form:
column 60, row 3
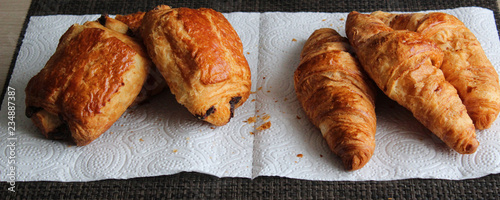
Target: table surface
column 12, row 19
column 12, row 15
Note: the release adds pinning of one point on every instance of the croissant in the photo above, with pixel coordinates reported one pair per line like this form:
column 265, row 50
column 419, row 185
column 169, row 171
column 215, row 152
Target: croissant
column 465, row 64
column 405, row 66
column 93, row 76
column 201, row 58
column 337, row 97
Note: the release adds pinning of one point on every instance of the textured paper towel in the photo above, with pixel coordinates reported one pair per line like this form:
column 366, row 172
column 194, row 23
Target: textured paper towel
column 162, row 137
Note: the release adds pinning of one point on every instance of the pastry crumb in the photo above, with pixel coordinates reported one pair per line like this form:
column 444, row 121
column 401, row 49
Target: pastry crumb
column 285, row 99
column 300, row 155
column 321, row 155
column 253, row 100
column 323, row 20
column 140, row 139
column 248, row 52
column 253, row 92
column 175, row 150
column 251, row 120
column 266, row 117
column 264, row 126
column 252, row 133
column 269, row 91
column 294, row 40
column 276, row 101
column 342, row 19
column 212, row 127
column 298, row 117
column 264, row 77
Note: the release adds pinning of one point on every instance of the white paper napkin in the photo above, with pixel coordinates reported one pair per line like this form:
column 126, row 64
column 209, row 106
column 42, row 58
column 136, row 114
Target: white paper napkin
column 161, row 137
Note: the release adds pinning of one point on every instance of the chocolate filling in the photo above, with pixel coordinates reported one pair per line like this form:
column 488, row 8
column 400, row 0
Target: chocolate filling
column 31, row 110
column 102, row 19
column 232, row 103
column 130, row 33
column 208, row 113
column 61, row 132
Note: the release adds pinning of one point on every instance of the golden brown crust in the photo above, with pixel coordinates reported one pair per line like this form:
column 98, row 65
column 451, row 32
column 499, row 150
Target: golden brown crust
column 87, row 84
column 406, row 67
column 465, row 64
column 133, row 21
column 154, row 83
column 113, row 24
column 201, row 57
column 337, row 97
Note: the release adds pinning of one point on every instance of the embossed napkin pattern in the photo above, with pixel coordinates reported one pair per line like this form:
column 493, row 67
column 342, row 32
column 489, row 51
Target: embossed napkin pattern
column 161, row 137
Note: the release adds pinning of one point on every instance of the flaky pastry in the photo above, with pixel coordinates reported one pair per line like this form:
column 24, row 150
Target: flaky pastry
column 338, row 97
column 87, row 84
column 201, row 58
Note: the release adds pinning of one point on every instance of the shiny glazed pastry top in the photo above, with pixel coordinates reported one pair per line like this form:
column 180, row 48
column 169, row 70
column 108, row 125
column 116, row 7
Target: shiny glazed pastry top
column 200, row 56
column 91, row 79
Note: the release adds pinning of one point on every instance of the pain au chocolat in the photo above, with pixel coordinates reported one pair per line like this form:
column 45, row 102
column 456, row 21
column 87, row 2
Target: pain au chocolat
column 200, row 56
column 92, row 78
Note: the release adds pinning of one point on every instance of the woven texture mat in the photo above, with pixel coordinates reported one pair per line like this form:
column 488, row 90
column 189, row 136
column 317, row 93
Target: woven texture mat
column 201, row 186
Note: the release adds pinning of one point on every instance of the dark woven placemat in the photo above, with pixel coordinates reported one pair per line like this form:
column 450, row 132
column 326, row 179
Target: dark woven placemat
column 201, row 186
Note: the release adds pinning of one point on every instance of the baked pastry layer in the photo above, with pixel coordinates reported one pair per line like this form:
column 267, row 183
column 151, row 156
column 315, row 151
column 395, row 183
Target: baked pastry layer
column 200, row 56
column 91, row 79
